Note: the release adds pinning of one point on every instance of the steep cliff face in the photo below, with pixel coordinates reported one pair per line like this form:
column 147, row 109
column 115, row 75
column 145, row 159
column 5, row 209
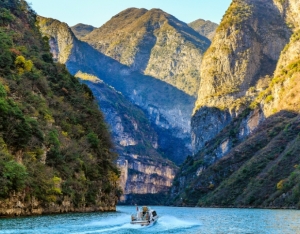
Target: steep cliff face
column 143, row 169
column 259, row 171
column 142, row 175
column 283, row 91
column 204, row 27
column 253, row 161
column 60, row 46
column 246, row 47
column 169, row 114
column 154, row 43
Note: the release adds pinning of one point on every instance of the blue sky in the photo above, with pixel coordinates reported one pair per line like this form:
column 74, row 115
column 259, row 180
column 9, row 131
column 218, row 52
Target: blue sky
column 97, row 12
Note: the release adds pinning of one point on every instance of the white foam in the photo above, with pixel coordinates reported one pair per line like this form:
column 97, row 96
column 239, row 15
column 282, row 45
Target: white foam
column 113, row 221
column 171, row 222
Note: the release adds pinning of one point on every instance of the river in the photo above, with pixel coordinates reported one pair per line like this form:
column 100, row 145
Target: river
column 172, row 220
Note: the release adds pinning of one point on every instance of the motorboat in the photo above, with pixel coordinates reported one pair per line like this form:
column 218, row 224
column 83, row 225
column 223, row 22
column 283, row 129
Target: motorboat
column 144, row 216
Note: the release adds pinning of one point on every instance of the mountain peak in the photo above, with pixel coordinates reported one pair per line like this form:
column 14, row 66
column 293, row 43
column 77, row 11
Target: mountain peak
column 80, row 30
column 141, row 38
column 204, row 27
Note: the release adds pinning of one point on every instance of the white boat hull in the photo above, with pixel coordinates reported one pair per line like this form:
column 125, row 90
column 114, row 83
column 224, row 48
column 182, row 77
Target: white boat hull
column 145, row 222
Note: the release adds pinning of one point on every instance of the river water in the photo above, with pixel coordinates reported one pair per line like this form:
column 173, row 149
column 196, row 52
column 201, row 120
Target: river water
column 172, row 220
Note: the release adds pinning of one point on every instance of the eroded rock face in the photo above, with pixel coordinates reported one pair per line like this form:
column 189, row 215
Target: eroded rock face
column 246, row 47
column 141, row 175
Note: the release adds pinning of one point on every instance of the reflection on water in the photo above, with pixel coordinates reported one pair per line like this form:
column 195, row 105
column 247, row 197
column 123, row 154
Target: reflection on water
column 172, row 220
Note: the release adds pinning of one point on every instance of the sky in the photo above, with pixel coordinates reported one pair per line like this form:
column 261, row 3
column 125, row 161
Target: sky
column 97, row 12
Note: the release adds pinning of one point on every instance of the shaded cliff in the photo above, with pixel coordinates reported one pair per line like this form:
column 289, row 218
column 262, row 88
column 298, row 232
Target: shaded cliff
column 204, row 27
column 260, row 171
column 55, row 149
column 153, row 43
column 168, row 108
column 143, row 169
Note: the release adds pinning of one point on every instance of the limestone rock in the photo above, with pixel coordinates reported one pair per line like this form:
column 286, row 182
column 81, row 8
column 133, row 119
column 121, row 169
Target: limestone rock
column 246, row 47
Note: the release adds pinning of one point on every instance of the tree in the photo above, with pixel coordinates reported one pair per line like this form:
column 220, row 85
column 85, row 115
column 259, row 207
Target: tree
column 23, row 65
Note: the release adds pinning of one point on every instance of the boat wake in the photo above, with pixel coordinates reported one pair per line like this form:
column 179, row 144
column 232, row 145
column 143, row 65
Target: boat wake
column 170, row 222
column 121, row 224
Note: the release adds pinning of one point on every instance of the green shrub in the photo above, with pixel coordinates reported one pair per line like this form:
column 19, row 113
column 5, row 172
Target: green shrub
column 15, row 174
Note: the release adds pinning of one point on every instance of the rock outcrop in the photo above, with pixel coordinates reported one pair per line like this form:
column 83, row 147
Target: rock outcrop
column 18, row 205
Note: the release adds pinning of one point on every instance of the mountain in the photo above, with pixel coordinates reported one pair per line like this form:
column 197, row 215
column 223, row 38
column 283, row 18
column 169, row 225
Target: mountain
column 170, row 113
column 56, row 153
column 249, row 156
column 204, row 27
column 81, row 30
column 155, row 44
column 143, row 169
column 246, row 48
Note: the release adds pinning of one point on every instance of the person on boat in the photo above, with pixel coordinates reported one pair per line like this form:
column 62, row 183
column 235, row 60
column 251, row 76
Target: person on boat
column 147, row 216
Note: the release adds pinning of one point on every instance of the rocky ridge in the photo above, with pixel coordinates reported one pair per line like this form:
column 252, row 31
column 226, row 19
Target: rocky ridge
column 155, row 44
column 81, row 30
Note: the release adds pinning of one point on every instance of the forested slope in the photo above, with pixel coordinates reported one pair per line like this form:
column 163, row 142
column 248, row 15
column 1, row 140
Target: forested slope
column 55, row 149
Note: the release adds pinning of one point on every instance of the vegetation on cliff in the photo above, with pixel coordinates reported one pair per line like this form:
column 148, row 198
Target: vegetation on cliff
column 53, row 139
column 261, row 171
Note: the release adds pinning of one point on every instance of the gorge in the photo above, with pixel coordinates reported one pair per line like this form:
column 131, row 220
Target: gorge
column 147, row 109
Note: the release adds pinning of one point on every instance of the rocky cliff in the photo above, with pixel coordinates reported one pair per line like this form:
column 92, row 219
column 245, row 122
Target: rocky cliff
column 154, row 43
column 168, row 108
column 143, row 169
column 246, row 47
column 249, row 155
column 204, row 27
